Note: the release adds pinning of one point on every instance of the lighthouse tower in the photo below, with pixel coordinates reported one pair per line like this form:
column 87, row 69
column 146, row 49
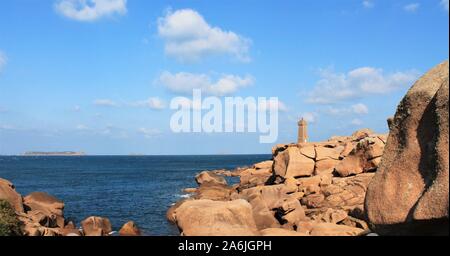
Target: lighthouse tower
column 302, row 131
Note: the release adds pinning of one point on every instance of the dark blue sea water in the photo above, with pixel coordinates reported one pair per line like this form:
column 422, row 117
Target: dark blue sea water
column 122, row 188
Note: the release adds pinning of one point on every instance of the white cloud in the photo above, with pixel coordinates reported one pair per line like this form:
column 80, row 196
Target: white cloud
column 184, row 83
column 309, row 117
column 187, row 104
column 271, row 105
column 7, row 127
column 368, row 4
column 149, row 133
column 82, row 127
column 188, row 37
column 114, row 132
column 360, row 109
column 413, row 7
column 444, row 3
column 356, row 122
column 153, row 103
column 90, row 10
column 3, row 60
column 105, row 103
column 358, row 83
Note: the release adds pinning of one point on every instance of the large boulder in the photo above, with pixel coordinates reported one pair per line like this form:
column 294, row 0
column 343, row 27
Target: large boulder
column 347, row 192
column 45, row 209
column 361, row 134
column 330, row 229
column 9, row 194
column 96, row 226
column 263, row 216
column 255, row 176
column 214, row 191
column 292, row 163
column 210, row 177
column 280, row 232
column 171, row 213
column 215, row 218
column 130, row 229
column 409, row 193
column 263, row 165
column 363, row 158
column 323, row 152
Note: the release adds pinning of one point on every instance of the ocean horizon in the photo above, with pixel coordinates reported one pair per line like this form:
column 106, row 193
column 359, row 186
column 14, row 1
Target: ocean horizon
column 120, row 188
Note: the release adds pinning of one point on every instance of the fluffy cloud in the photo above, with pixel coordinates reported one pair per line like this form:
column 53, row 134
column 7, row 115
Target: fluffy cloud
column 7, row 127
column 413, row 7
column 188, row 37
column 309, row 117
column 358, row 83
column 81, row 127
column 184, row 83
column 360, row 109
column 153, row 103
column 368, row 4
column 357, row 122
column 444, row 3
column 272, row 104
column 105, row 103
column 3, row 60
column 90, row 10
column 149, row 133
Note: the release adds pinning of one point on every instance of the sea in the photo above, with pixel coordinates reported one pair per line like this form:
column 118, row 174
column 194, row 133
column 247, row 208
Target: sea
column 121, row 188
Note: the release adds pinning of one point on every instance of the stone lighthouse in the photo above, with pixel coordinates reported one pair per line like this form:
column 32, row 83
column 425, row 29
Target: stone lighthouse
column 302, row 131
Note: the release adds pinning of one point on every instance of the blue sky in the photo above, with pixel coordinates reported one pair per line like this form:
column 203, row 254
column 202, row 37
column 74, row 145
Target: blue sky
column 98, row 75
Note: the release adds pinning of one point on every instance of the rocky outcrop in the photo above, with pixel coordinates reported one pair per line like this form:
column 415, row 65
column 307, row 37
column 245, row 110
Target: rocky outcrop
column 45, row 209
column 130, row 229
column 409, row 194
column 313, row 189
column 365, row 157
column 330, row 229
column 342, row 156
column 291, row 163
column 41, row 214
column 210, row 177
column 214, row 218
column 96, row 226
column 8, row 193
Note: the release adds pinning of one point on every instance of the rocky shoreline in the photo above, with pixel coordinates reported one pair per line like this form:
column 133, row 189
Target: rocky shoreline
column 396, row 184
column 345, row 186
column 306, row 189
column 41, row 214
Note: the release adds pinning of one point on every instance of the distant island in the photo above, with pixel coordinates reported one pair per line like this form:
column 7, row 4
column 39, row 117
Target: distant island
column 64, row 153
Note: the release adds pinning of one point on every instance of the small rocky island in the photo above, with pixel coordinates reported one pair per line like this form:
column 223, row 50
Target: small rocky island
column 64, row 153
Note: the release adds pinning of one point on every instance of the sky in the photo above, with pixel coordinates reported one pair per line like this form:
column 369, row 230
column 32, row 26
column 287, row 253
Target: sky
column 98, row 75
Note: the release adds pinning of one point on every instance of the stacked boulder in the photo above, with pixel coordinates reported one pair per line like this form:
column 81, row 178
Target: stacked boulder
column 307, row 189
column 396, row 185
